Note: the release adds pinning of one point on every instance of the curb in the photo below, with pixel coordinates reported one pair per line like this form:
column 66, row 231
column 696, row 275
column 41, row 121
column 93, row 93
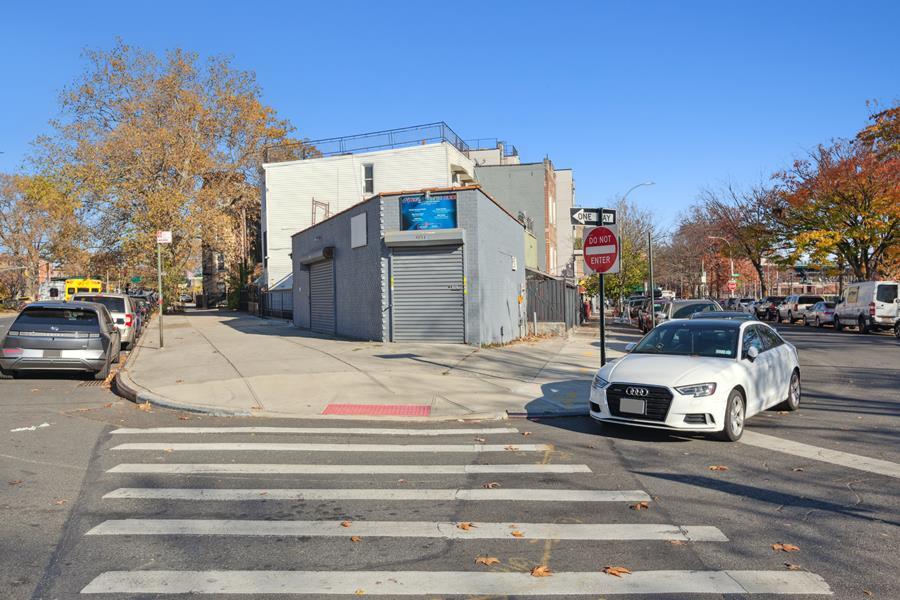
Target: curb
column 547, row 414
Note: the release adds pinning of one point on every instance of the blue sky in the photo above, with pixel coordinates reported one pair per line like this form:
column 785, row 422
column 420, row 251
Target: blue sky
column 687, row 94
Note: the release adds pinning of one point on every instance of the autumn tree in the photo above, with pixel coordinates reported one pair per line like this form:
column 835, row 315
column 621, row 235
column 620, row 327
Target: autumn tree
column 38, row 223
column 843, row 202
column 168, row 142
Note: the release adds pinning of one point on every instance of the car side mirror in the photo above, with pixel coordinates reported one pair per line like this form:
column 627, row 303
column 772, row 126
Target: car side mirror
column 752, row 353
column 630, row 346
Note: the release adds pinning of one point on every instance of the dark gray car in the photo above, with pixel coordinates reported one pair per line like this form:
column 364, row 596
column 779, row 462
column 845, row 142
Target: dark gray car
column 61, row 336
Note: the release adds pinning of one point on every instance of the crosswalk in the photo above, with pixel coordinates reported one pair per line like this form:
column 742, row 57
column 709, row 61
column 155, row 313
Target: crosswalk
column 377, row 519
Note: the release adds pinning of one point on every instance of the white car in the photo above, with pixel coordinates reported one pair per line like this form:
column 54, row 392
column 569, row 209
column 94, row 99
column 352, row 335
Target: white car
column 705, row 375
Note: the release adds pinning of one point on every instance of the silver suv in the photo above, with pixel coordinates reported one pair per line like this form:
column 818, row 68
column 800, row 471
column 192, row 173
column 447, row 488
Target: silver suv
column 795, row 307
column 123, row 311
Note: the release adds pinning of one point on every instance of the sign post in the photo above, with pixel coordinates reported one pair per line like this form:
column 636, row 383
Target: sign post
column 162, row 237
column 601, row 255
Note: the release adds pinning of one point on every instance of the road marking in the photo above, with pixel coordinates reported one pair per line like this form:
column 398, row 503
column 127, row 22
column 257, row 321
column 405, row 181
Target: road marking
column 405, row 448
column 316, row 430
column 510, row 494
column 289, row 469
column 455, row 583
column 835, row 457
column 409, row 529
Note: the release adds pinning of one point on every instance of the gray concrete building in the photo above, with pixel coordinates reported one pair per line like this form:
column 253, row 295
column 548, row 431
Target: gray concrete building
column 435, row 265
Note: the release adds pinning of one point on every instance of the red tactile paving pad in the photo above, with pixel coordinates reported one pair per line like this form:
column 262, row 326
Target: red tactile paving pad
column 379, row 410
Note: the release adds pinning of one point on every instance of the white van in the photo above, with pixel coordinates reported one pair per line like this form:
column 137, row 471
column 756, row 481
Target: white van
column 869, row 305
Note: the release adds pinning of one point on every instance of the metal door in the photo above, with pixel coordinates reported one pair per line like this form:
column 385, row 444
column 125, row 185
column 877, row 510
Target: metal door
column 428, row 299
column 321, row 297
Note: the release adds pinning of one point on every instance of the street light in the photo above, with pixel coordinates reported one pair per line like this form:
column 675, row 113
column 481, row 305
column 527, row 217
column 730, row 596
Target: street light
column 730, row 258
column 621, row 252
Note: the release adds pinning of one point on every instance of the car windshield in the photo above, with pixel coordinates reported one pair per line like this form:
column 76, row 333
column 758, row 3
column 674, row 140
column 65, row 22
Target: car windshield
column 683, row 311
column 38, row 315
column 697, row 340
column 828, row 304
column 116, row 305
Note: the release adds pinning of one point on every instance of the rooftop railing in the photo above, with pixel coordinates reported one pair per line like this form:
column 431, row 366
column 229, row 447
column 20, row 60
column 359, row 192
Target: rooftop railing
column 416, row 135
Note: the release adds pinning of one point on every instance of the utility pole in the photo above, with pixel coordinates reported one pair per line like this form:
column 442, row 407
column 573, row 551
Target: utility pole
column 650, row 260
column 160, row 288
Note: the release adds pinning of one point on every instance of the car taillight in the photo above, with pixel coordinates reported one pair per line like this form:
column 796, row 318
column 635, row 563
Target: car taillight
column 12, row 352
column 129, row 319
column 871, row 309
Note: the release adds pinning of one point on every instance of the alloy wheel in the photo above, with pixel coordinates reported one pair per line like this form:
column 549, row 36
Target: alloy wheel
column 737, row 417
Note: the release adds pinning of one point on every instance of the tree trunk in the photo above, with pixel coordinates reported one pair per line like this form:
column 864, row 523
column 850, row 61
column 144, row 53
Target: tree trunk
column 762, row 278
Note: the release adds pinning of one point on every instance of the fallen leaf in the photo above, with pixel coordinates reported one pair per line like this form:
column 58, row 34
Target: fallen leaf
column 490, row 485
column 360, row 592
column 108, row 405
column 785, row 547
column 526, row 433
column 678, row 542
column 184, row 418
column 642, row 505
column 264, row 493
column 146, row 407
column 616, row 571
column 867, row 593
column 15, row 482
column 718, row 468
column 402, row 481
column 511, row 447
column 355, row 538
column 797, row 469
column 592, row 446
column 782, row 412
column 792, row 567
column 256, row 408
column 479, row 440
column 179, row 381
column 517, row 533
column 33, row 390
column 487, row 560
column 465, row 525
column 541, row 571
column 345, row 523
column 60, row 502
column 167, row 450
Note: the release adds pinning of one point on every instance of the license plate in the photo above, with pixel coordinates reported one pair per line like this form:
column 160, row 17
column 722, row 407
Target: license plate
column 632, row 405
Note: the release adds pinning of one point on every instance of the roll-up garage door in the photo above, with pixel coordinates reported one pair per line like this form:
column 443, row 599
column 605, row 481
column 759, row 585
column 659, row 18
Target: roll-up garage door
column 428, row 300
column 321, row 296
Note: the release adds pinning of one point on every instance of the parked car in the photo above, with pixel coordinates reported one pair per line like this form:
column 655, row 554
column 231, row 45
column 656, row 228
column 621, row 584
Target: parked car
column 767, row 308
column 732, row 315
column 869, row 306
column 647, row 318
column 744, row 304
column 698, row 375
column 822, row 313
column 794, row 307
column 684, row 308
column 122, row 310
column 633, row 305
column 61, row 336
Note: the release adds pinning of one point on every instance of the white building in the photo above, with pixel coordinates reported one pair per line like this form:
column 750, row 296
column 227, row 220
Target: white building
column 565, row 238
column 298, row 194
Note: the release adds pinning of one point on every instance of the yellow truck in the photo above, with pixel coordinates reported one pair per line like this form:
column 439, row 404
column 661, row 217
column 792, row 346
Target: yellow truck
column 82, row 286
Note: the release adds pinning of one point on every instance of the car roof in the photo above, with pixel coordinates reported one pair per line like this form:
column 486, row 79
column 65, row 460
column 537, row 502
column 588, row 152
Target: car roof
column 722, row 314
column 702, row 323
column 53, row 304
column 103, row 294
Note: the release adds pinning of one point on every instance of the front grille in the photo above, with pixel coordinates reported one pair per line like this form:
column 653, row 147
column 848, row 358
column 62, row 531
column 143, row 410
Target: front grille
column 695, row 419
column 658, row 400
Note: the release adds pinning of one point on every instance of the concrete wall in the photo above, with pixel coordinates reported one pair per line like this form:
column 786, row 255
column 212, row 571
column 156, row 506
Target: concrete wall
column 565, row 198
column 357, row 272
column 291, row 187
column 520, row 188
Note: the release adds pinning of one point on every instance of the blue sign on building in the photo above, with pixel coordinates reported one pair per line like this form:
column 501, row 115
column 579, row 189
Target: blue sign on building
column 421, row 212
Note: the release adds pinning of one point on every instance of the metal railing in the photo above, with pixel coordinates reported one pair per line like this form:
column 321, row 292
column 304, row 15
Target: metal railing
column 492, row 144
column 404, row 137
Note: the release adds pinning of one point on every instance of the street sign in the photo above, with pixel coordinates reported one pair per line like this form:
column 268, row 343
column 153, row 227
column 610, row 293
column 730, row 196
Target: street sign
column 601, row 250
column 135, row 279
column 163, row 237
column 732, row 286
column 592, row 216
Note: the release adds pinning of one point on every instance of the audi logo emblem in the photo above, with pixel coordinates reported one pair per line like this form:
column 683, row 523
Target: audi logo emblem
column 636, row 391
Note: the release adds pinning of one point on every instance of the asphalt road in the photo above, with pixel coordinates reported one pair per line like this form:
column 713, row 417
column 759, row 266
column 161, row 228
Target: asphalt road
column 844, row 520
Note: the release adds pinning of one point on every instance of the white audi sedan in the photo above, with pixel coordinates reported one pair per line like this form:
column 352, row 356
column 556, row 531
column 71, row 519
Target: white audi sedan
column 704, row 375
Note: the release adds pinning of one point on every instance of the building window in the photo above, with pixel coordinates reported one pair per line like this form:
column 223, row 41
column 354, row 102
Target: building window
column 368, row 179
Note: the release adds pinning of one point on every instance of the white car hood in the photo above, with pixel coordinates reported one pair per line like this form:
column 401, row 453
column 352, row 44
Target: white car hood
column 666, row 370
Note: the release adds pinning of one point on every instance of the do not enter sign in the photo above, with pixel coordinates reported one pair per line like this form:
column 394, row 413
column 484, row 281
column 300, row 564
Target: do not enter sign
column 601, row 250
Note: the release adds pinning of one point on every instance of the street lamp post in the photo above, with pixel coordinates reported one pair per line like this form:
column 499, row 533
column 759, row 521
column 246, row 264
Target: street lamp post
column 621, row 250
column 730, row 258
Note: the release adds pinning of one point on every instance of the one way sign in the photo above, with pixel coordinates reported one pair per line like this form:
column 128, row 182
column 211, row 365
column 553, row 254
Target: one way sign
column 592, row 216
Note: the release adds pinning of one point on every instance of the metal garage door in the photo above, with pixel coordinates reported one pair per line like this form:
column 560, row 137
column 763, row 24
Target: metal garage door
column 428, row 300
column 321, row 296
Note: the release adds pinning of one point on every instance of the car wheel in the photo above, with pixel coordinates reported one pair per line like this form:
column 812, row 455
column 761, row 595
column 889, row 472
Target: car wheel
column 818, row 323
column 790, row 318
column 104, row 372
column 793, row 400
column 897, row 330
column 863, row 325
column 805, row 321
column 838, row 326
column 735, row 410
column 6, row 374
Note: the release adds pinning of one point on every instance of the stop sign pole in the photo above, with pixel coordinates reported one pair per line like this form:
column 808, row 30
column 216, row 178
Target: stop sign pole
column 602, row 255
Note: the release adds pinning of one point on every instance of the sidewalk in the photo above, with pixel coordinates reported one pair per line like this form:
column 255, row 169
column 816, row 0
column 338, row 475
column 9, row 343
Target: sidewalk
column 230, row 363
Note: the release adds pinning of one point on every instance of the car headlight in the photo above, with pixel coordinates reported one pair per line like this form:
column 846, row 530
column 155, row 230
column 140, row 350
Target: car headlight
column 697, row 390
column 599, row 383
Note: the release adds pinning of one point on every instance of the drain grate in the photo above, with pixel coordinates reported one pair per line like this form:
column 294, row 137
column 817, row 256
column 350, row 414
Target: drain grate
column 92, row 383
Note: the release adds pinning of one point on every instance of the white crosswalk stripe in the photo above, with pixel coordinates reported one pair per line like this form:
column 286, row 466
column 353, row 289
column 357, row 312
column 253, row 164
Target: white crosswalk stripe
column 536, row 486
column 496, row 494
